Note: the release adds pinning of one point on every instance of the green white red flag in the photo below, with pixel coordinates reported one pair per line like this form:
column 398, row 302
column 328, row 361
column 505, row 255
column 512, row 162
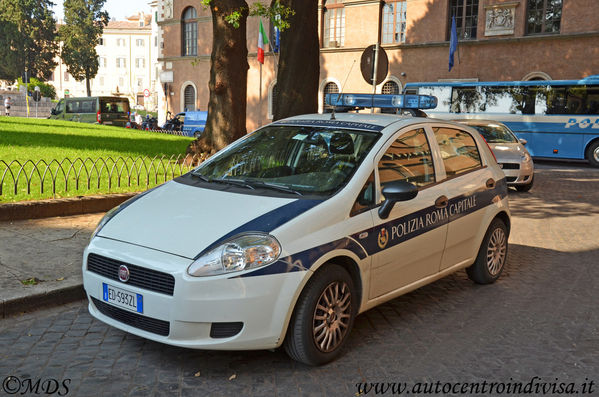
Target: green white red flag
column 262, row 41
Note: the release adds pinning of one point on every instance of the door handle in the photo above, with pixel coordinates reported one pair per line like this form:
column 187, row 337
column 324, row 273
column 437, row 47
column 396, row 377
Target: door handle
column 441, row 202
column 490, row 183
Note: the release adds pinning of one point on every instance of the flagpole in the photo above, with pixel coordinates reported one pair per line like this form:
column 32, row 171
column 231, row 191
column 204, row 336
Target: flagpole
column 260, row 94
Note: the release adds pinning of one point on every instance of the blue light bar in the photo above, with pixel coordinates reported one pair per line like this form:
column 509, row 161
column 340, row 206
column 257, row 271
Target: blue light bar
column 399, row 101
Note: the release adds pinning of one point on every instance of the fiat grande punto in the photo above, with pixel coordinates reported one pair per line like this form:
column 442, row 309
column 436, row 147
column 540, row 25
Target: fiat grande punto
column 286, row 235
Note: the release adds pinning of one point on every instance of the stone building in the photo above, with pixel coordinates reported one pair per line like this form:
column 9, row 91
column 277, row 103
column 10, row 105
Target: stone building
column 498, row 40
column 127, row 54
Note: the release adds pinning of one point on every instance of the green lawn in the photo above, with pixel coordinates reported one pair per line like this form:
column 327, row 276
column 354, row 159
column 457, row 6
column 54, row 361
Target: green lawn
column 66, row 156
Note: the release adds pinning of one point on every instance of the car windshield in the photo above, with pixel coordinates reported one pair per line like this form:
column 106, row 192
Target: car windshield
column 495, row 133
column 293, row 159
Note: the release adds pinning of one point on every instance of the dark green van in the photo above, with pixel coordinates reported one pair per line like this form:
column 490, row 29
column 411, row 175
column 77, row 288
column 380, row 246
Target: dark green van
column 100, row 110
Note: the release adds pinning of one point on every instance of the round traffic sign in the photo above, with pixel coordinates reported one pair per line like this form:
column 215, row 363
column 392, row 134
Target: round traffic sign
column 146, row 93
column 367, row 64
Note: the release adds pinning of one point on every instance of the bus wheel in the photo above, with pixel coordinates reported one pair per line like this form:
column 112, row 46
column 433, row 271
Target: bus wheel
column 593, row 154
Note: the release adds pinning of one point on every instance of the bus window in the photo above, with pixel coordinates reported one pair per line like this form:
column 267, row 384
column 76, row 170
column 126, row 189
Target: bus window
column 467, row 100
column 443, row 95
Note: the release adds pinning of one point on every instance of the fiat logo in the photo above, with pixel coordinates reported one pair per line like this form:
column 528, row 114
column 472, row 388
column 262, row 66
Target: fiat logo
column 123, row 273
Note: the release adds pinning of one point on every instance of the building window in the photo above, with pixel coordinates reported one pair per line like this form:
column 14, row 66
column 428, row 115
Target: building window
column 333, row 15
column 155, row 41
column 102, row 62
column 543, row 16
column 120, row 42
column 272, row 99
column 66, row 76
column 394, row 22
column 329, row 88
column 390, row 87
column 140, row 83
column 140, row 62
column 140, row 42
column 189, row 98
column 101, row 41
column 121, row 62
column 466, row 18
column 189, row 32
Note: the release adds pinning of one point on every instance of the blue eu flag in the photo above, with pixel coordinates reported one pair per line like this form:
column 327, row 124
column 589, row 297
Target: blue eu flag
column 453, row 42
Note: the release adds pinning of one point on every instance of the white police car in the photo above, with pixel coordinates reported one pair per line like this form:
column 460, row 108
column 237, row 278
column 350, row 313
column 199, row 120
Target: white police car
column 286, row 235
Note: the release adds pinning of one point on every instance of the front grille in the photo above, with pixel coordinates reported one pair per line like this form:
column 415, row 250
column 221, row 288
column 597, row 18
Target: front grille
column 511, row 178
column 225, row 330
column 149, row 324
column 138, row 276
column 510, row 166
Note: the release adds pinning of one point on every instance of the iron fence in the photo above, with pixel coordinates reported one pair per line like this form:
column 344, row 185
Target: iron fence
column 86, row 175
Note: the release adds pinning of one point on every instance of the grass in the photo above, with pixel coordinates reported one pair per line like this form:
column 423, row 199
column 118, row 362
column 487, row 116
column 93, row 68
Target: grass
column 99, row 159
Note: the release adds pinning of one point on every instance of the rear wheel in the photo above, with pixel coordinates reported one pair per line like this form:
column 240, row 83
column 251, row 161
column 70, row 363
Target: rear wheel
column 492, row 255
column 323, row 317
column 593, row 154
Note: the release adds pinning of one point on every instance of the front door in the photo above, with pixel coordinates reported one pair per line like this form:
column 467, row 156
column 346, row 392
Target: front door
column 409, row 243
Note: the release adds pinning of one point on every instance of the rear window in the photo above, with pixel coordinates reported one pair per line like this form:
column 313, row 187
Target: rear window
column 114, row 105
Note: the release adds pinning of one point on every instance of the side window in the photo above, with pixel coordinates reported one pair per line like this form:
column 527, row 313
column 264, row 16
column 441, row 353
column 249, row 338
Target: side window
column 458, row 150
column 60, row 106
column 365, row 199
column 73, row 107
column 408, row 159
column 87, row 106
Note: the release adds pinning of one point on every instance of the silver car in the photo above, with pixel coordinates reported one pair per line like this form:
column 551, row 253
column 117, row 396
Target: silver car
column 510, row 152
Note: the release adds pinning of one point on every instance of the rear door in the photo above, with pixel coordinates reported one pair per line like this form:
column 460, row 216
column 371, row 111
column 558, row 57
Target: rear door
column 115, row 111
column 470, row 188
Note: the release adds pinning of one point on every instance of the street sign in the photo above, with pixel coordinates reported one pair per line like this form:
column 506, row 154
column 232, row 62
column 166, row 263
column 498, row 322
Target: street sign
column 367, row 64
column 146, row 93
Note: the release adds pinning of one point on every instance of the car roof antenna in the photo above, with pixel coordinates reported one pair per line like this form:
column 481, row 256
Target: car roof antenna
column 342, row 87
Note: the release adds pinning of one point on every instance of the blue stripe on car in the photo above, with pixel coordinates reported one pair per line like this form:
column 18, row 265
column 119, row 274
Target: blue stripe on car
column 305, row 259
column 269, row 221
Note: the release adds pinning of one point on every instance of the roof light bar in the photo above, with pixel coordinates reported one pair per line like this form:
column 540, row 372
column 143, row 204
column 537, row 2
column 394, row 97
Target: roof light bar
column 400, row 101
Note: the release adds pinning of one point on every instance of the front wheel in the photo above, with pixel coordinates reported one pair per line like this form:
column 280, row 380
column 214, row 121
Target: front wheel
column 593, row 154
column 323, row 317
column 492, row 255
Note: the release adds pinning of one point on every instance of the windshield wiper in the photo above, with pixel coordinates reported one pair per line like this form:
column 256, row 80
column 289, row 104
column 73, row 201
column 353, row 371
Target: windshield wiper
column 200, row 176
column 274, row 186
column 235, row 182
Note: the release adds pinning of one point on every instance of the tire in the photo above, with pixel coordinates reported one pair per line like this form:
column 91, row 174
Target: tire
column 492, row 255
column 525, row 188
column 315, row 336
column 593, row 154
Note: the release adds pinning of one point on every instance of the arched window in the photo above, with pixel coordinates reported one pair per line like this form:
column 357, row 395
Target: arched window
column 189, row 98
column 329, row 88
column 390, row 87
column 189, row 32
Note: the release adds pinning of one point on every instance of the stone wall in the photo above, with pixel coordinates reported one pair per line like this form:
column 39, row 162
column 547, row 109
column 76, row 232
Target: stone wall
column 19, row 106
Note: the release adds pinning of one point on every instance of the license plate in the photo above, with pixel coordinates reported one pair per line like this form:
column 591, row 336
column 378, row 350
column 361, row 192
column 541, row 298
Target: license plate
column 108, row 122
column 123, row 298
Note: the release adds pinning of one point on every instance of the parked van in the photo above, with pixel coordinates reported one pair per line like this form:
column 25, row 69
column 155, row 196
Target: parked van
column 99, row 110
column 192, row 123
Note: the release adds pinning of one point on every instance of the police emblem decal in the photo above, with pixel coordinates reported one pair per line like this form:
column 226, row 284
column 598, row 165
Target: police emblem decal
column 383, row 238
column 123, row 273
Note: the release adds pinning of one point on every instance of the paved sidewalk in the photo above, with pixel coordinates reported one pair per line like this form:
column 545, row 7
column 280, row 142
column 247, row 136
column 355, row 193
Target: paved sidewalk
column 40, row 261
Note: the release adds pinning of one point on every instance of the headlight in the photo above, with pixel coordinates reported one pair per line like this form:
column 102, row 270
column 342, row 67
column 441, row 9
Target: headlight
column 526, row 157
column 244, row 252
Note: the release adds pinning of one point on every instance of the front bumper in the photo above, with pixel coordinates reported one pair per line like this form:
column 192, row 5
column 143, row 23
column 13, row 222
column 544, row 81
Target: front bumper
column 197, row 305
column 518, row 173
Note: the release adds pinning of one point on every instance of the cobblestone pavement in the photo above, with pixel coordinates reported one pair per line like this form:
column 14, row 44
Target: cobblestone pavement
column 540, row 319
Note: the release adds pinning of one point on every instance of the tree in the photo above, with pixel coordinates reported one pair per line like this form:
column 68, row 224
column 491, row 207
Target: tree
column 84, row 24
column 299, row 62
column 28, row 42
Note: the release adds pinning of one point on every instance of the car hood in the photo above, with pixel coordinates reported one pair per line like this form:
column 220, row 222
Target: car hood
column 185, row 220
column 508, row 152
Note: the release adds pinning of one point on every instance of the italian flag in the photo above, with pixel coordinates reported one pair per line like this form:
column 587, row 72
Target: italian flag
column 262, row 40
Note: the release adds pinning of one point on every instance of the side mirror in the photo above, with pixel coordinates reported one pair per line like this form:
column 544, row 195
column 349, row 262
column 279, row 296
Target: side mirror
column 523, row 141
column 394, row 192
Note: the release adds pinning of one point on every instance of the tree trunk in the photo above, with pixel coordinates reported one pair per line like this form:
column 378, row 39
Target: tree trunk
column 299, row 63
column 228, row 79
column 88, row 85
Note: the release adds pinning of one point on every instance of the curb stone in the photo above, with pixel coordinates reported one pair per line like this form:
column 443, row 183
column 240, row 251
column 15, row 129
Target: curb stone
column 56, row 297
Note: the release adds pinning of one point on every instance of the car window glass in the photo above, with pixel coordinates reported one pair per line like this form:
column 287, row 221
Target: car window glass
column 495, row 133
column 458, row 150
column 60, row 107
column 87, row 106
column 365, row 199
column 73, row 107
column 408, row 159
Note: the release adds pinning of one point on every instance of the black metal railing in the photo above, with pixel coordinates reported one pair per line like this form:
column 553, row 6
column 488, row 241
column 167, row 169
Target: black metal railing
column 43, row 178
